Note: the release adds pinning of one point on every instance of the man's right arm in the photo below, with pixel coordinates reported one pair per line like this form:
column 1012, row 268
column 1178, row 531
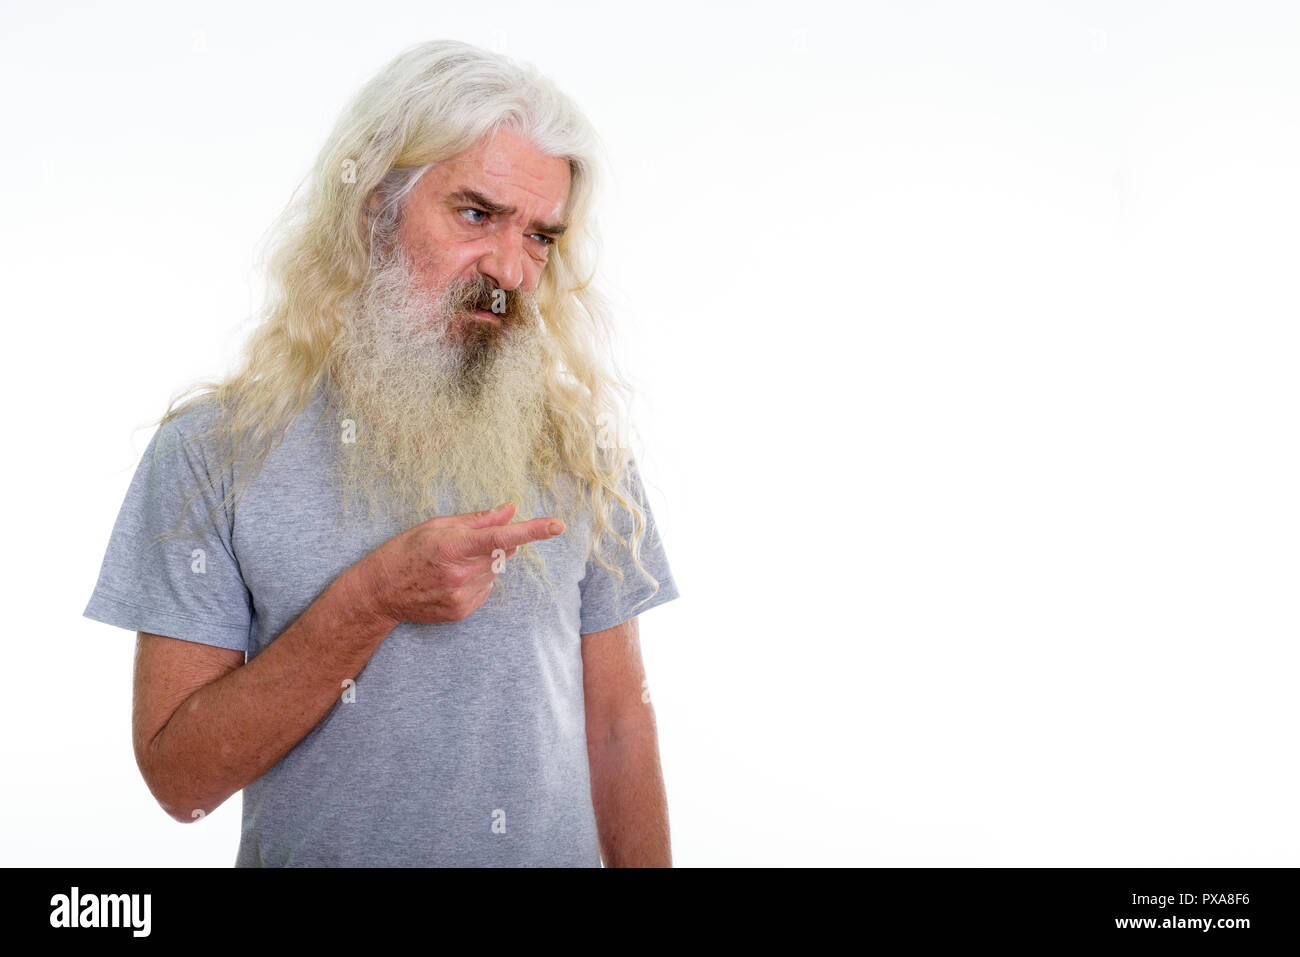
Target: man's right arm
column 206, row 725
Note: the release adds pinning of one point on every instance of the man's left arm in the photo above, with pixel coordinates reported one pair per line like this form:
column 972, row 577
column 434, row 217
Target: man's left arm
column 627, row 784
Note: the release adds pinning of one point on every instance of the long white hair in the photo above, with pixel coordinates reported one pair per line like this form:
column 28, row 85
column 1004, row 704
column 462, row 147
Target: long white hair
column 432, row 102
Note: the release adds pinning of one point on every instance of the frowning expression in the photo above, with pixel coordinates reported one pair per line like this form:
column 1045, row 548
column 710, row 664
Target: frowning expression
column 493, row 210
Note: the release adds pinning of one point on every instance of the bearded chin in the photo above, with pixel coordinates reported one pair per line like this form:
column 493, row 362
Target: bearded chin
column 448, row 412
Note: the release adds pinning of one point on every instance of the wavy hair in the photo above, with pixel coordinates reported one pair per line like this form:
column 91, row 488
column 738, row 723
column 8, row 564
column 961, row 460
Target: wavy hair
column 433, row 101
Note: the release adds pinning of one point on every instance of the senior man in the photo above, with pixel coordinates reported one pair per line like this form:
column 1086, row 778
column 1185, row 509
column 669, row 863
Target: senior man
column 333, row 614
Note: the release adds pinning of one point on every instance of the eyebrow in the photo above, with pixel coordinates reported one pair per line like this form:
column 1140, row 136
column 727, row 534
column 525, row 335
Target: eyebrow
column 475, row 198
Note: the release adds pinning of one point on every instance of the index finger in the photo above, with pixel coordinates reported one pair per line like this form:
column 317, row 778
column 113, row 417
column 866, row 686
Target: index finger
column 482, row 541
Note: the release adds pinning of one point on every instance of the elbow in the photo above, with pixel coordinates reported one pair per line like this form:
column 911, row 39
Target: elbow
column 180, row 808
column 169, row 793
column 177, row 806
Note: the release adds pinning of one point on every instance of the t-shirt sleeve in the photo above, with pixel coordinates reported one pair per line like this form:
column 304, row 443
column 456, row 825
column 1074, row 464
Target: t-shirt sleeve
column 608, row 601
column 170, row 568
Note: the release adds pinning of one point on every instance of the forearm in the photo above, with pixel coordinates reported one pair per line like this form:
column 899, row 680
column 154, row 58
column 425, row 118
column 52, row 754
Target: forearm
column 230, row 732
column 627, row 792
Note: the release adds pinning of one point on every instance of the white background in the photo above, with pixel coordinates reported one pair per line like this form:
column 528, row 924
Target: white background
column 965, row 335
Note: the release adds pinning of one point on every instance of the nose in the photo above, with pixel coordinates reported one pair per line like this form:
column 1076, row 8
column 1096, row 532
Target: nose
column 504, row 262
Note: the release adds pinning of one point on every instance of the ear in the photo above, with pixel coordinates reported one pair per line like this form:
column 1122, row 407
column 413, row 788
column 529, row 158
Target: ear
column 369, row 211
column 366, row 218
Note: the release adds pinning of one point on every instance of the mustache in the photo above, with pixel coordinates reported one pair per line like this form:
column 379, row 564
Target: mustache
column 509, row 306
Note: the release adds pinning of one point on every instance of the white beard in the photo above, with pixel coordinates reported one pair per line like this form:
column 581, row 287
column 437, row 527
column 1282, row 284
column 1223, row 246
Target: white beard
column 443, row 405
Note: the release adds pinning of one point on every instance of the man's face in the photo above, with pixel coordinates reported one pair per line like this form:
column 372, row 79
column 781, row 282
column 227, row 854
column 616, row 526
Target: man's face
column 494, row 210
column 445, row 395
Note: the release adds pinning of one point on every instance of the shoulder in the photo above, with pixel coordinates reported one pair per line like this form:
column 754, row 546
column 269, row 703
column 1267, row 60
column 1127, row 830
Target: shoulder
column 192, row 417
column 191, row 432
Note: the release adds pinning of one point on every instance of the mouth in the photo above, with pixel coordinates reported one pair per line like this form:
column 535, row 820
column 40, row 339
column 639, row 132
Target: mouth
column 487, row 316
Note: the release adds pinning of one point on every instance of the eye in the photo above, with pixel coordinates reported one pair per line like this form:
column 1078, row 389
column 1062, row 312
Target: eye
column 471, row 209
column 543, row 239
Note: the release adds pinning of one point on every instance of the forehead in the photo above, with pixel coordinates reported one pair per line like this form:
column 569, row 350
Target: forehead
column 508, row 169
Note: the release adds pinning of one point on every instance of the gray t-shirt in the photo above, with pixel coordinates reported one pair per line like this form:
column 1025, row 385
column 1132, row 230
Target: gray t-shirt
column 461, row 744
